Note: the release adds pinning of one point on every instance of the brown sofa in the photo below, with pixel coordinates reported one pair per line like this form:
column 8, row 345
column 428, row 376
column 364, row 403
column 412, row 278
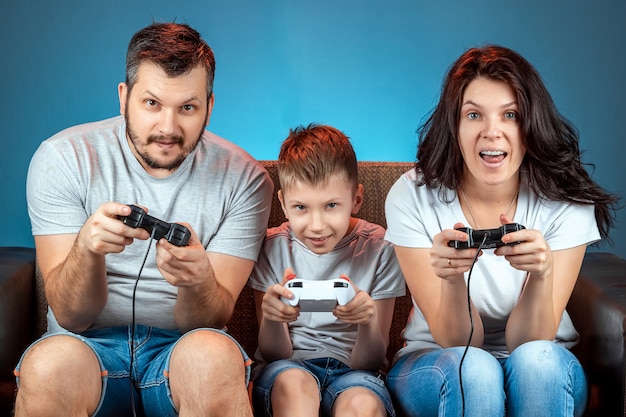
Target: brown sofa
column 597, row 306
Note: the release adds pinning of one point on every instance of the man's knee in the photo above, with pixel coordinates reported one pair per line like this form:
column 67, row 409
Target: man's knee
column 207, row 348
column 58, row 367
column 58, row 357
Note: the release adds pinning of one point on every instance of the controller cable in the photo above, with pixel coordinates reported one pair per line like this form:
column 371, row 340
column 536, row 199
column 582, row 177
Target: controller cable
column 132, row 329
column 469, row 307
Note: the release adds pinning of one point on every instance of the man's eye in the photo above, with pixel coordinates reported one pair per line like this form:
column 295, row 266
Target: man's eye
column 188, row 108
column 151, row 103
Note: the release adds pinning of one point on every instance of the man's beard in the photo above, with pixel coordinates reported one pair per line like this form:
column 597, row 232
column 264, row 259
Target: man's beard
column 152, row 162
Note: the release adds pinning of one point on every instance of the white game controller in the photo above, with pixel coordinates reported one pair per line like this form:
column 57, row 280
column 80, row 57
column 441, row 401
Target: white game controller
column 316, row 296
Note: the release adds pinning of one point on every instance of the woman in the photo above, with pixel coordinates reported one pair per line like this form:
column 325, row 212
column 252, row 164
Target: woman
column 493, row 337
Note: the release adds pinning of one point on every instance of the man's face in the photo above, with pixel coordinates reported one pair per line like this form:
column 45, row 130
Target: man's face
column 165, row 116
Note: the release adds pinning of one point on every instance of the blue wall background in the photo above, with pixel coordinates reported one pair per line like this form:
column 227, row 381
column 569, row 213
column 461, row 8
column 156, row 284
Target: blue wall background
column 373, row 69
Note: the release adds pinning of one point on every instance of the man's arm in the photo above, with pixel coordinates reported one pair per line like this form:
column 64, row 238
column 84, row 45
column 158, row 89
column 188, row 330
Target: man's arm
column 73, row 266
column 208, row 283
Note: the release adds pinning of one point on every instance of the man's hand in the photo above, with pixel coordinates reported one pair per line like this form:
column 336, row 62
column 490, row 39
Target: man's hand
column 105, row 233
column 184, row 266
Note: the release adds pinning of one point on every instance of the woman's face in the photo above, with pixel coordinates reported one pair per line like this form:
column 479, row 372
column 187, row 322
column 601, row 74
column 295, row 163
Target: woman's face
column 489, row 132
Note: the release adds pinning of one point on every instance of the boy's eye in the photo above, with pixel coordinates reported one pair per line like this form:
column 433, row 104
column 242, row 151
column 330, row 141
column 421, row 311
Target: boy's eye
column 331, row 205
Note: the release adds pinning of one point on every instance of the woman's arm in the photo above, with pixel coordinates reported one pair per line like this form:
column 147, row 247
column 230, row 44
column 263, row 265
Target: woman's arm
column 548, row 287
column 436, row 282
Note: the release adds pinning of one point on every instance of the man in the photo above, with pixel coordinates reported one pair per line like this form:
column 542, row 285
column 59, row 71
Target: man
column 158, row 156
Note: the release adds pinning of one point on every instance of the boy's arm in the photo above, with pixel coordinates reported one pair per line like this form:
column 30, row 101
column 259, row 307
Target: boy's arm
column 274, row 340
column 370, row 347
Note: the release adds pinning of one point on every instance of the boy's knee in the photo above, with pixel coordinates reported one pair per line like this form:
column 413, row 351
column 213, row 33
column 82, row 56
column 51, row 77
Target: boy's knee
column 294, row 380
column 358, row 401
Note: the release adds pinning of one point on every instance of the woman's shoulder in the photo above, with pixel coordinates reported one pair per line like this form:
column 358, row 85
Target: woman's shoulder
column 410, row 187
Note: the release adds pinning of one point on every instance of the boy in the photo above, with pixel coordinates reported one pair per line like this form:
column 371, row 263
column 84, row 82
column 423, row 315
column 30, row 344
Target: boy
column 323, row 361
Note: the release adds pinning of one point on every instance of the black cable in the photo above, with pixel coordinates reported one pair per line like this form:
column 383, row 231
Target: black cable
column 132, row 329
column 471, row 317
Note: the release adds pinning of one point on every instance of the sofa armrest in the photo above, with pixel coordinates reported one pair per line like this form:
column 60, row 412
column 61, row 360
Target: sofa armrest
column 598, row 310
column 17, row 315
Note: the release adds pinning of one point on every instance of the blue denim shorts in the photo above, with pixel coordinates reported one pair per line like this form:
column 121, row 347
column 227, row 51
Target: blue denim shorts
column 333, row 377
column 153, row 349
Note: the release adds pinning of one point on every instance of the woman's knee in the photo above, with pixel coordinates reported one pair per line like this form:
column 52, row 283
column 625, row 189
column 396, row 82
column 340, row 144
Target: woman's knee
column 446, row 365
column 479, row 365
column 539, row 357
column 544, row 375
column 443, row 378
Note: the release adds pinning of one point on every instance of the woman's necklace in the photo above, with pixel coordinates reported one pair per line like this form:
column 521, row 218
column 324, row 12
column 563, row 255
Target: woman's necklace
column 469, row 208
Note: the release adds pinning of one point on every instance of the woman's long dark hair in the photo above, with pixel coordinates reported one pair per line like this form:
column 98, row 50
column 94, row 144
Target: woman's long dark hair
column 553, row 158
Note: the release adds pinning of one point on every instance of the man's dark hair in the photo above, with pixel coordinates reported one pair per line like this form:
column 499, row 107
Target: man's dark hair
column 174, row 47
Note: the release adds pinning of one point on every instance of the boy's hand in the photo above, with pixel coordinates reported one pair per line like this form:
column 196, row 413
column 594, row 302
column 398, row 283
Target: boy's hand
column 360, row 310
column 273, row 307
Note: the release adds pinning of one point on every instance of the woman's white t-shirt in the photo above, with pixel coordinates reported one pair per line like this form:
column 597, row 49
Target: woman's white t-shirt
column 415, row 214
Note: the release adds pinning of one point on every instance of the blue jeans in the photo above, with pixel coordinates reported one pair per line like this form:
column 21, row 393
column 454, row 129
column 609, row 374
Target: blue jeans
column 539, row 378
column 333, row 377
column 152, row 354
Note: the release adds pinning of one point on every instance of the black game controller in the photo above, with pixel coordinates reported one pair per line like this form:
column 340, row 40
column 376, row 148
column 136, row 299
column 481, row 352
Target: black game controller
column 174, row 233
column 493, row 240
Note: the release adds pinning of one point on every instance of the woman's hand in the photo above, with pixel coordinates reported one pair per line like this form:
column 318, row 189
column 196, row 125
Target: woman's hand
column 448, row 262
column 532, row 254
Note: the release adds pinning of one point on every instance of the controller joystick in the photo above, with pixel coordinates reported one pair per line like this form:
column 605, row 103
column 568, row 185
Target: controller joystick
column 316, row 296
column 175, row 233
column 493, row 240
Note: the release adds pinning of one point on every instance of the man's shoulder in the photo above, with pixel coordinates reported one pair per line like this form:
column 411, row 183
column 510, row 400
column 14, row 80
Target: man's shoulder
column 224, row 151
column 216, row 143
column 89, row 131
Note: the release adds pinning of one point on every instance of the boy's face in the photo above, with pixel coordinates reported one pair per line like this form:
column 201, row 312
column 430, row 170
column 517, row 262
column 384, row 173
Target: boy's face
column 320, row 216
